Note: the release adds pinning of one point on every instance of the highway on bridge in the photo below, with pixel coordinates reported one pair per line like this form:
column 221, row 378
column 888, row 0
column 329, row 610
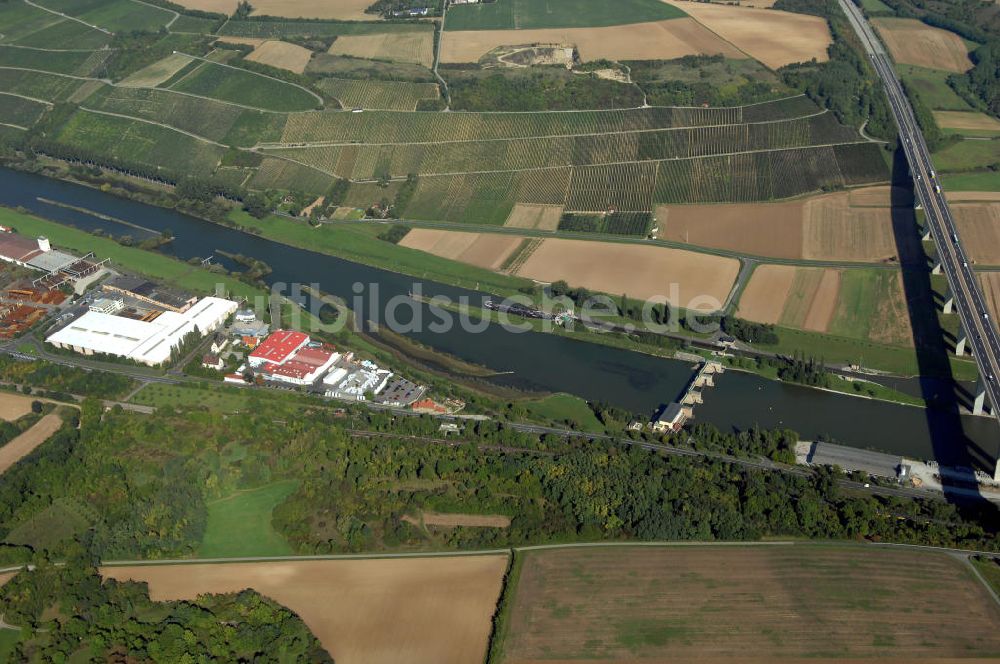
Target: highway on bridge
column 979, row 328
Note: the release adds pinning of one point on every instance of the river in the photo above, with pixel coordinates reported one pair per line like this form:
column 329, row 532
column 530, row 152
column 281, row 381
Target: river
column 535, row 360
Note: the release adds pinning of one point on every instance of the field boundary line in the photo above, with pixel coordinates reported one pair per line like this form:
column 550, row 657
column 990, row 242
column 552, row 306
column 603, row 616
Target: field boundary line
column 13, row 126
column 67, row 16
column 982, row 579
column 619, row 239
column 34, row 99
column 613, row 163
column 182, row 78
column 59, row 50
column 154, row 123
column 176, row 14
column 249, row 71
column 303, row 145
column 53, row 73
column 610, row 110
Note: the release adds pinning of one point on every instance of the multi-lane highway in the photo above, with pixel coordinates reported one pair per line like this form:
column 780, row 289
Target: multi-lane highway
column 980, row 329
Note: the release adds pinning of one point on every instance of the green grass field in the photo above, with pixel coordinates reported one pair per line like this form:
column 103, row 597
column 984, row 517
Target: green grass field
column 932, row 85
column 9, row 638
column 245, row 87
column 990, row 571
column 837, row 350
column 565, row 408
column 525, row 14
column 875, row 6
column 983, row 181
column 149, row 263
column 360, row 242
column 968, row 155
column 221, row 399
column 240, row 524
column 56, row 523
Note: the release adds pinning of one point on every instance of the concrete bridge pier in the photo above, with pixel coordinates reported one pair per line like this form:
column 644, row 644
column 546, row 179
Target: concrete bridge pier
column 936, row 266
column 925, row 234
column 960, row 340
column 979, row 397
column 948, row 306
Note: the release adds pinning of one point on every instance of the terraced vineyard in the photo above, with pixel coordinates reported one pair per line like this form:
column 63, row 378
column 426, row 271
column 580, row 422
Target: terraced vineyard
column 167, row 117
column 269, row 29
column 113, row 15
column 378, row 95
column 19, row 111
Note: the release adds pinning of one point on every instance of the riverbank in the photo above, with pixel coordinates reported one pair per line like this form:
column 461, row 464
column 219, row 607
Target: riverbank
column 141, row 261
column 867, row 388
column 360, row 243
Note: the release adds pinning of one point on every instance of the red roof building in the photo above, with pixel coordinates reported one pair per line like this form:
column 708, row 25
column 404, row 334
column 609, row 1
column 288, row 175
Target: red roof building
column 278, row 347
column 303, row 367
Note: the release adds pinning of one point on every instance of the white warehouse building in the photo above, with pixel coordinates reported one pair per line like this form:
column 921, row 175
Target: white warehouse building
column 147, row 342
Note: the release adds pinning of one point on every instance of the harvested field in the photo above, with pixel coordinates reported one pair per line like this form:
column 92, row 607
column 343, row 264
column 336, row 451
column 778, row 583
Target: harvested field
column 824, row 302
column 767, row 229
column 13, row 406
column 966, row 196
column 837, row 227
column 158, row 72
column 979, row 227
column 538, row 217
column 912, row 42
column 415, row 47
column 991, row 291
column 345, row 10
column 488, row 250
column 881, row 196
column 967, row 120
column 834, row 231
column 282, row 55
column 684, row 278
column 417, row 610
column 889, row 323
column 454, row 520
column 24, row 444
column 662, row 40
column 747, row 604
column 775, row 38
column 764, row 298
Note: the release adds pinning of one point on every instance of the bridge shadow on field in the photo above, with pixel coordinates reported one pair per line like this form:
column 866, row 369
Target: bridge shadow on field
column 943, row 394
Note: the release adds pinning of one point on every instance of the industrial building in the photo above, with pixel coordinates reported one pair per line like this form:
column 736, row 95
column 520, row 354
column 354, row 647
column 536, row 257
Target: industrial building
column 150, row 293
column 277, row 348
column 355, row 381
column 39, row 255
column 150, row 340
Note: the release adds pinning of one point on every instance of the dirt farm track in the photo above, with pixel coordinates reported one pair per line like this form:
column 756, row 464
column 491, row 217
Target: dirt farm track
column 414, row 610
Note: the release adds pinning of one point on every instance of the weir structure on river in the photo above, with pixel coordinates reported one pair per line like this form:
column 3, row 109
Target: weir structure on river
column 673, row 416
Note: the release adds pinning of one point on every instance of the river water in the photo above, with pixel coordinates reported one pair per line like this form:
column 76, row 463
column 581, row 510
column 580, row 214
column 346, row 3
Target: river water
column 540, row 361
